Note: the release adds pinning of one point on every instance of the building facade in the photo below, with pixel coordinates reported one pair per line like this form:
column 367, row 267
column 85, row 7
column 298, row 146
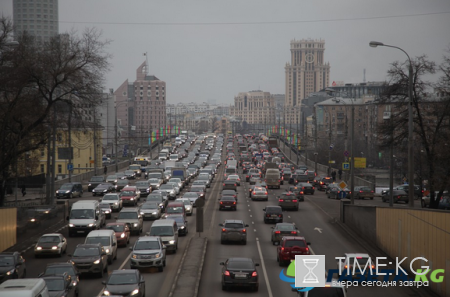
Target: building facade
column 140, row 107
column 306, row 73
column 38, row 17
column 254, row 107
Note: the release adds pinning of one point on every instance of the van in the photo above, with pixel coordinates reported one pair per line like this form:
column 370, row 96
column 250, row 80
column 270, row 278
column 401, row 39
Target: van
column 70, row 190
column 168, row 231
column 26, row 287
column 230, row 171
column 107, row 238
column 85, row 216
column 272, row 178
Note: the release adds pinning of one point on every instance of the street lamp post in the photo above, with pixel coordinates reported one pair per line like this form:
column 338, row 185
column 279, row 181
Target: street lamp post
column 410, row 124
column 116, row 132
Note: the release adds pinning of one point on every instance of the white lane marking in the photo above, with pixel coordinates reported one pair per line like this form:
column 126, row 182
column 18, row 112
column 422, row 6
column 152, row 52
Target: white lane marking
column 250, row 215
column 289, row 216
column 249, row 205
column 310, row 249
column 318, row 229
column 249, row 210
column 253, row 223
column 254, row 230
column 269, row 289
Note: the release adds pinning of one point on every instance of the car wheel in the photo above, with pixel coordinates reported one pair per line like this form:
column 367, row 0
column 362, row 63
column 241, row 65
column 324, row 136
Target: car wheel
column 109, row 261
column 371, row 198
column 24, row 273
column 244, row 242
column 255, row 289
column 280, row 263
column 296, row 209
column 160, row 268
column 70, row 196
column 224, row 287
column 100, row 274
column 115, row 257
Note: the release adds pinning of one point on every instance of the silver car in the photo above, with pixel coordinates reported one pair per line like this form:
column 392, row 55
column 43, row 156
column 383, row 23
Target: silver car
column 155, row 183
column 132, row 217
column 150, row 210
column 192, row 196
column 170, row 190
column 259, row 193
column 114, row 201
column 188, row 205
column 233, row 230
column 148, row 251
column 175, row 186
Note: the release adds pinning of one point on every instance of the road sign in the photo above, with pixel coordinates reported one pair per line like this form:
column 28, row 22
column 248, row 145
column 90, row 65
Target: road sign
column 331, row 162
column 70, row 167
column 360, row 162
column 346, row 166
column 346, row 153
column 342, row 185
column 331, row 146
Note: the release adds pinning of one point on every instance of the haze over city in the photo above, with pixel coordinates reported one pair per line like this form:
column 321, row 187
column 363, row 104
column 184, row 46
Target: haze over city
column 212, row 50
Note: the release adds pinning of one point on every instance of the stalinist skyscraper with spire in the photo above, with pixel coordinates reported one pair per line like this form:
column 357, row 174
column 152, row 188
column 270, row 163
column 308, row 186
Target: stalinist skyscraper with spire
column 306, row 73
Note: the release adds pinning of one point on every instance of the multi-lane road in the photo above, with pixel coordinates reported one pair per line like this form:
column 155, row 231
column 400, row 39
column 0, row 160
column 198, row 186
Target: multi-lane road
column 313, row 221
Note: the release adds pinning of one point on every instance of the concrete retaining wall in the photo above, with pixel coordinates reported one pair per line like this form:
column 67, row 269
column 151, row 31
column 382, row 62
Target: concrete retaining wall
column 362, row 220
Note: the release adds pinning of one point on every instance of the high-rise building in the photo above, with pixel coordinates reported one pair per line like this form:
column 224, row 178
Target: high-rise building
column 254, row 107
column 306, row 73
column 37, row 17
column 141, row 106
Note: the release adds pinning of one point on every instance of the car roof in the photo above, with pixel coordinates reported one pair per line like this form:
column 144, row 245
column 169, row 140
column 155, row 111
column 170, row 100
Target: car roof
column 285, row 224
column 240, row 260
column 124, row 271
column 148, row 238
column 293, row 238
column 354, row 255
column 134, row 209
column 52, row 234
column 233, row 221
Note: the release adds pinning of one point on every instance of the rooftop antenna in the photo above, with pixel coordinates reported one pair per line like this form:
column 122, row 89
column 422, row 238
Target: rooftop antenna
column 364, row 77
column 146, row 63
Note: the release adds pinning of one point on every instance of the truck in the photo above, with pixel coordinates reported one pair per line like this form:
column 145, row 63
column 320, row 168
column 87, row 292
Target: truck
column 272, row 142
column 268, row 165
column 167, row 145
column 180, row 172
column 232, row 163
column 169, row 164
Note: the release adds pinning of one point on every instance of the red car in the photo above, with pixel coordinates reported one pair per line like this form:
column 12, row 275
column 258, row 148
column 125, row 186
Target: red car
column 122, row 232
column 130, row 196
column 291, row 246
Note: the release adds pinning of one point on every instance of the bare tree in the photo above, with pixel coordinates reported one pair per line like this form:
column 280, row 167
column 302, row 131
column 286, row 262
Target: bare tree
column 34, row 77
column 431, row 119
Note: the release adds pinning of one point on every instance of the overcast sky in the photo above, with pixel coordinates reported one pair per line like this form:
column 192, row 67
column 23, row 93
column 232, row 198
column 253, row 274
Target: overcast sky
column 212, row 50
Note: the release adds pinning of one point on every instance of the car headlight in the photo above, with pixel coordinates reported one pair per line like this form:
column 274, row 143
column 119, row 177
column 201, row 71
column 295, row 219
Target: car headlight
column 131, row 199
column 38, row 248
column 115, row 203
column 142, row 213
column 97, row 261
column 91, row 225
column 73, row 263
column 135, row 292
column 54, row 247
column 105, row 190
column 107, row 211
column 172, row 241
column 67, row 192
column 71, row 225
column 182, row 227
column 115, row 180
column 135, row 224
column 89, row 185
column 157, row 255
column 11, row 271
column 107, row 251
column 106, row 293
column 122, row 235
column 154, row 212
column 134, row 256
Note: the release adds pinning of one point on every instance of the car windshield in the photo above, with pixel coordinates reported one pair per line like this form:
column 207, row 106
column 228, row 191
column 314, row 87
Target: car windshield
column 6, row 261
column 149, row 206
column 291, row 243
column 115, row 228
column 240, row 265
column 175, row 209
column 154, row 175
column 110, row 197
column 161, row 231
column 122, row 279
column 102, row 186
column 142, row 184
column 104, row 205
column 55, row 284
column 135, row 167
column 111, row 177
column 122, row 182
column 154, row 180
column 127, row 215
column 147, row 245
column 45, row 239
column 190, row 194
column 227, row 198
column 60, row 270
column 82, row 214
column 97, row 179
column 285, row 228
column 66, row 187
column 194, row 189
column 234, row 225
column 86, row 252
column 129, row 172
column 326, row 292
column 166, row 187
column 103, row 240
column 127, row 193
column 273, row 210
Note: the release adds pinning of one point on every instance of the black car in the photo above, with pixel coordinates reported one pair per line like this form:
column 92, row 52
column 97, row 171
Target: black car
column 239, row 272
column 307, row 188
column 61, row 268
column 70, row 190
column 90, row 258
column 182, row 224
column 230, row 193
column 60, row 285
column 95, row 181
column 12, row 265
column 227, row 202
column 104, row 188
column 273, row 214
column 125, row 282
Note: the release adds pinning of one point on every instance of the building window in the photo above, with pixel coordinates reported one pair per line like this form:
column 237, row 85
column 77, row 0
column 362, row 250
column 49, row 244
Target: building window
column 59, row 168
column 42, row 168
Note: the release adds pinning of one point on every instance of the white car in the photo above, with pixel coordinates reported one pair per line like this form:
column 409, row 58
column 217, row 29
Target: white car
column 114, row 201
column 50, row 244
column 188, row 205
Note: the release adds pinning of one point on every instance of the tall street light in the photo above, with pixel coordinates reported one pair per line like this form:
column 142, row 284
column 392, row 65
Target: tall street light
column 410, row 124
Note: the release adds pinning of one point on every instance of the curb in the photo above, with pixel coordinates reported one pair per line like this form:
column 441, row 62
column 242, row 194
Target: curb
column 179, row 268
column 199, row 276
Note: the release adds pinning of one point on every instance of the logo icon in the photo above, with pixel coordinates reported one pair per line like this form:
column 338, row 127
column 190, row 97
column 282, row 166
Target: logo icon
column 310, row 270
column 290, row 277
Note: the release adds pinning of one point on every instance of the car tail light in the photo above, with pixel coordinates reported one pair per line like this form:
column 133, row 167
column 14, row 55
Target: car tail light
column 267, row 215
column 221, row 202
column 235, row 185
column 295, row 200
column 313, row 188
column 234, row 202
column 358, row 257
column 372, row 191
column 224, row 184
column 360, row 191
column 243, row 230
column 265, row 193
column 227, row 273
column 293, row 232
column 280, row 216
column 277, row 232
column 254, row 274
column 282, row 249
column 224, row 230
column 398, row 197
column 281, row 200
column 254, row 193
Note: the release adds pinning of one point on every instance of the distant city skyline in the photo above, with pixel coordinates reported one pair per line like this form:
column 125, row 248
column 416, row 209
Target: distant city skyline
column 212, row 51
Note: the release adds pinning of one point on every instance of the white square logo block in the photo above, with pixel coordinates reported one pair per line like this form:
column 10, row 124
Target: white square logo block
column 310, row 271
